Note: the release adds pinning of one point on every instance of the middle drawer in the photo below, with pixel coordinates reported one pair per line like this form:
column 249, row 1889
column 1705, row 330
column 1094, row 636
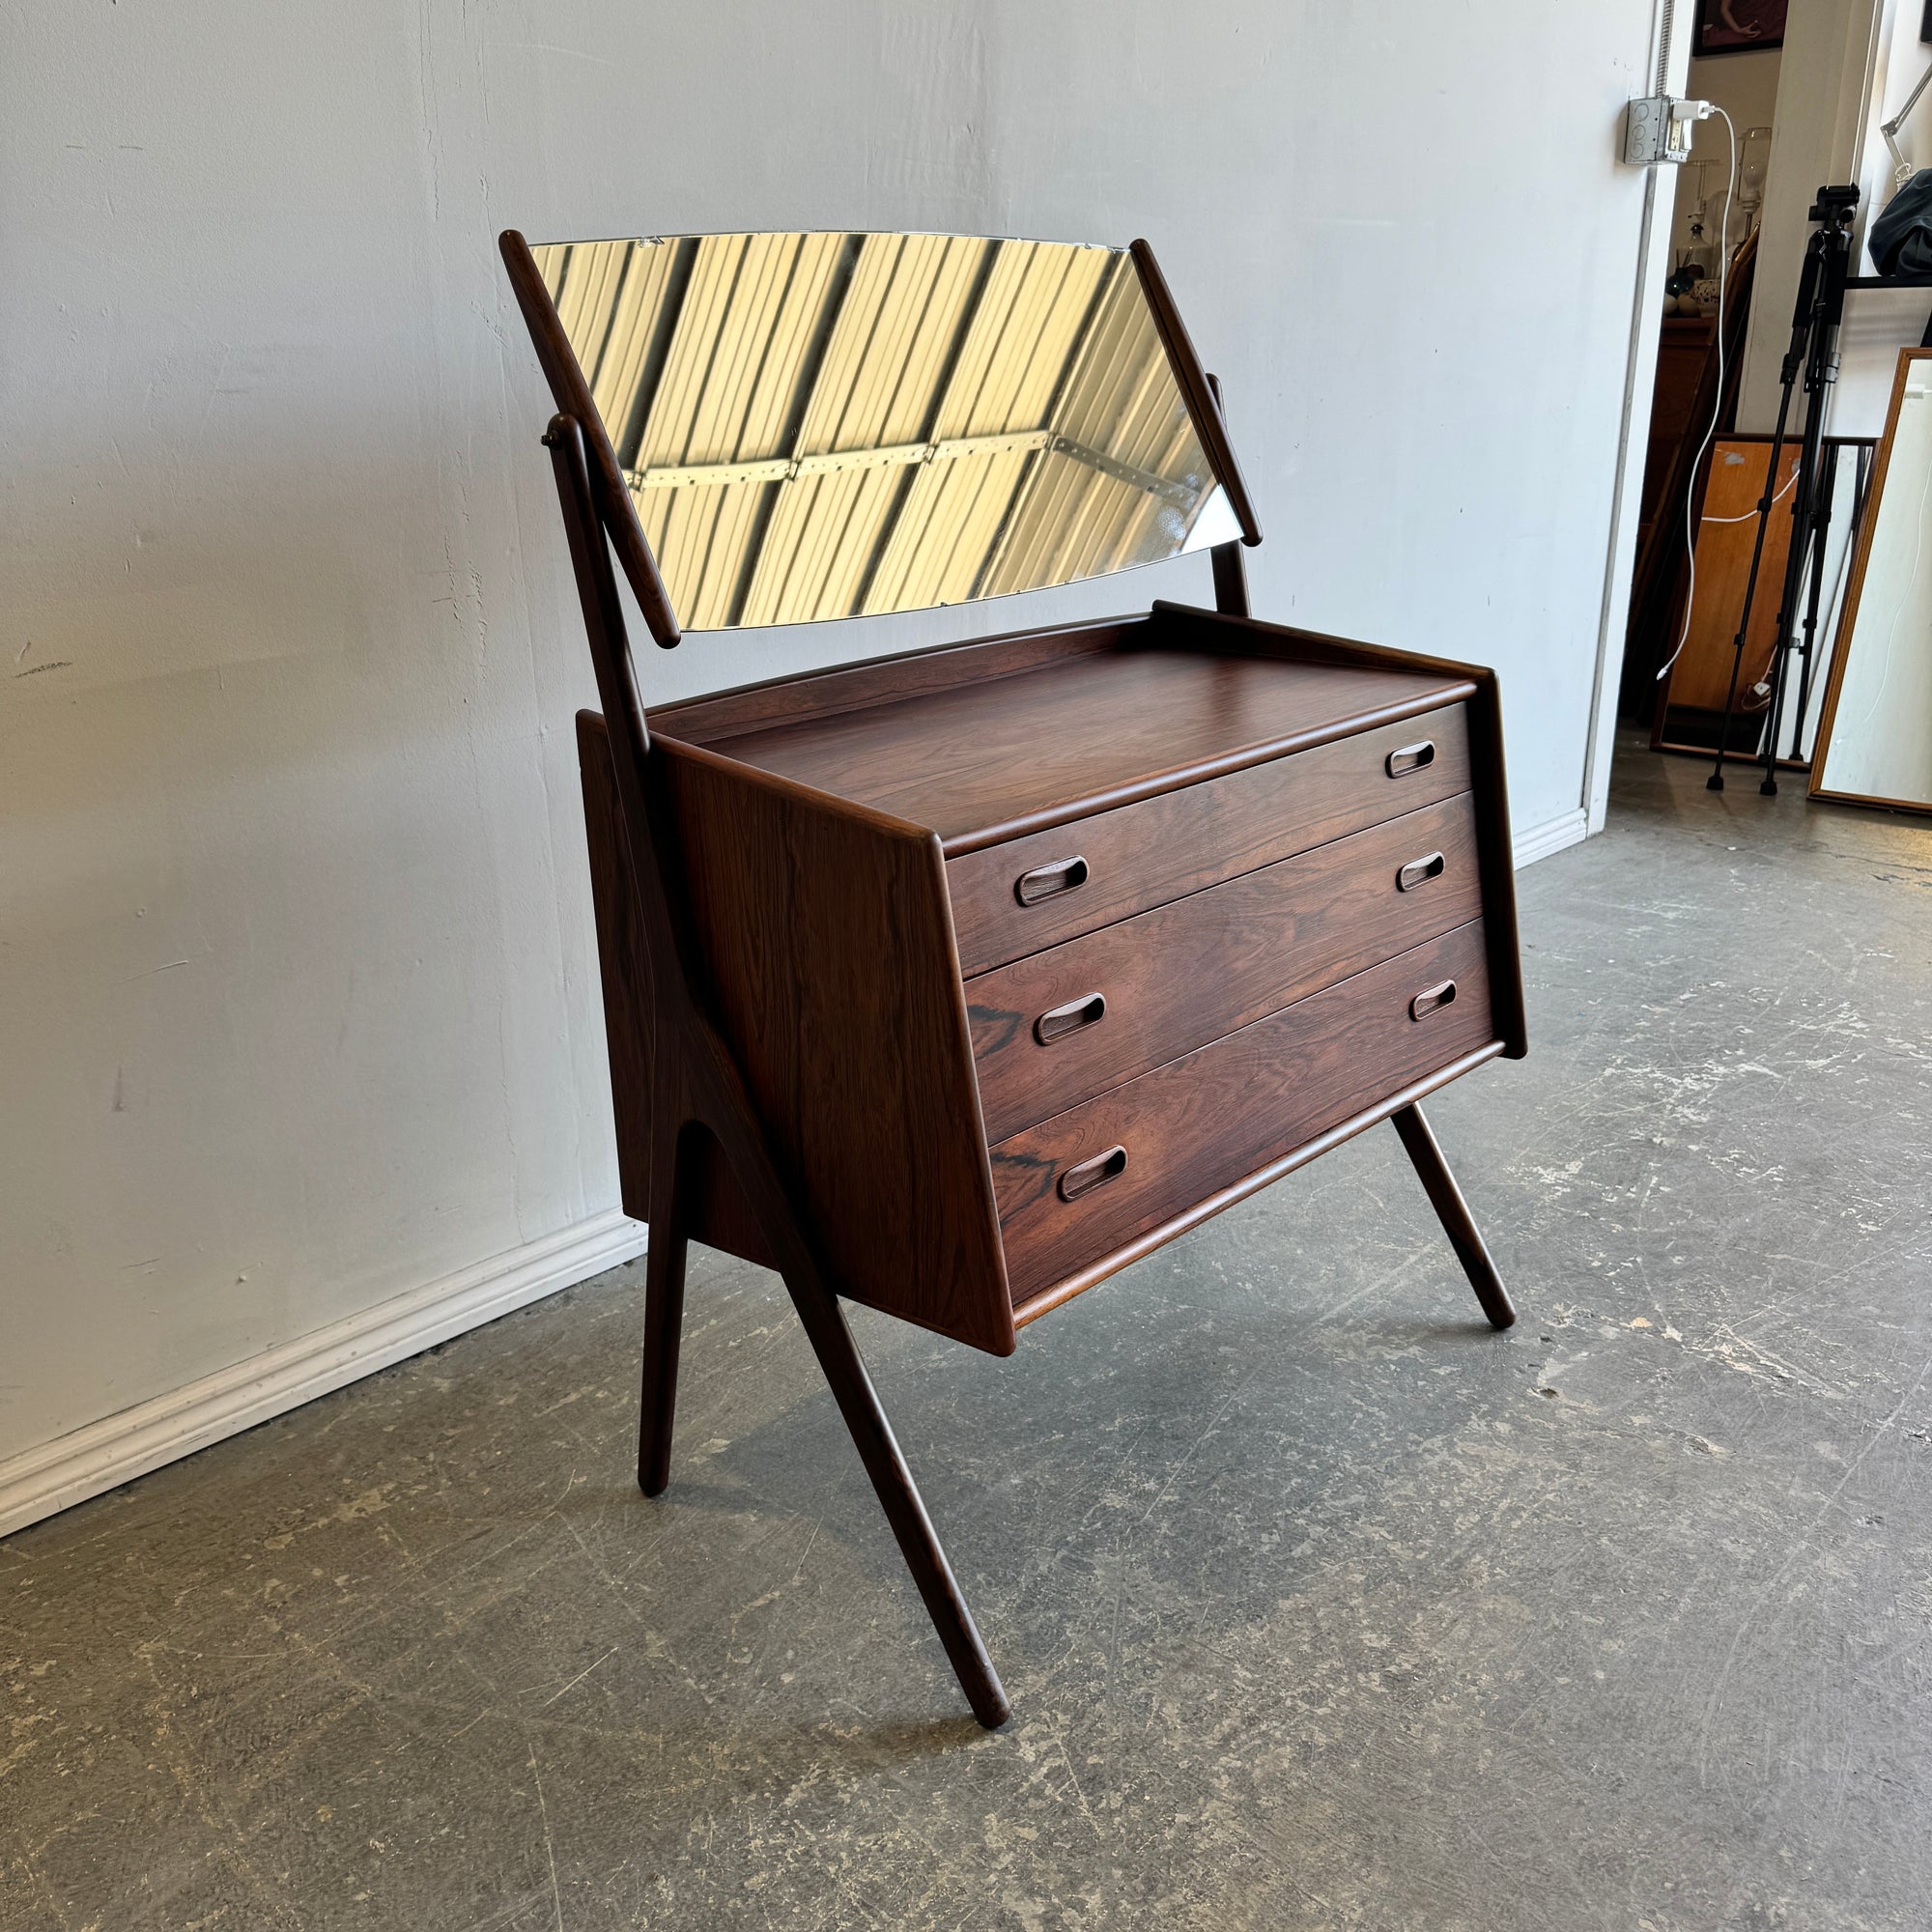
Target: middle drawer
column 1060, row 1026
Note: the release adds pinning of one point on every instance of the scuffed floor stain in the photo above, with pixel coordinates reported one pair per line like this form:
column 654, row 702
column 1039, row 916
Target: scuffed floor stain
column 1321, row 1605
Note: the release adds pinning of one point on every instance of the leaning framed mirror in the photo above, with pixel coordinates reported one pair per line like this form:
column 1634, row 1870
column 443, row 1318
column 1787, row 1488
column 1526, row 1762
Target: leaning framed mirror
column 1875, row 740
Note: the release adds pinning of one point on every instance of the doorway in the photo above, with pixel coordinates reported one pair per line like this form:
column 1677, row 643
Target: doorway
column 1813, row 90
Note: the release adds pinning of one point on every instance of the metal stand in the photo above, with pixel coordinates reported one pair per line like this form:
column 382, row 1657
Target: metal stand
column 1812, row 566
column 1815, row 318
column 1809, row 661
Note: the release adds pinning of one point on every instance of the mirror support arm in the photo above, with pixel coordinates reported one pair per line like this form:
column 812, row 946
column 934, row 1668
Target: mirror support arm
column 1231, row 567
column 609, row 494
column 1195, row 389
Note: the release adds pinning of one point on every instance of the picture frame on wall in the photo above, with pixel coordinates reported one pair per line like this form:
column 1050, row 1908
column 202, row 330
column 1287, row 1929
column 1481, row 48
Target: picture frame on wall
column 1739, row 27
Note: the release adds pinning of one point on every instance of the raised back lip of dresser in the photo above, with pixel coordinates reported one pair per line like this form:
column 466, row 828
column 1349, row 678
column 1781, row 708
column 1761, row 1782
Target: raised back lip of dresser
column 825, row 731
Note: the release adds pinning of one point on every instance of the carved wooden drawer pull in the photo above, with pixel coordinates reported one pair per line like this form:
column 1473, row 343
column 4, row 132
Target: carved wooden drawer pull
column 1045, row 882
column 1411, row 758
column 1092, row 1173
column 1419, row 873
column 1057, row 1022
column 1432, row 1000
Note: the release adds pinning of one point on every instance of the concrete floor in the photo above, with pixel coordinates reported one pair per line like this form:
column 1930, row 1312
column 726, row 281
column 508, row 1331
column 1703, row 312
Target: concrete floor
column 1320, row 1605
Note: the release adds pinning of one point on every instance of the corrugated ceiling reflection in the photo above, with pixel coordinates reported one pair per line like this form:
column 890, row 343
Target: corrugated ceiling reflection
column 832, row 425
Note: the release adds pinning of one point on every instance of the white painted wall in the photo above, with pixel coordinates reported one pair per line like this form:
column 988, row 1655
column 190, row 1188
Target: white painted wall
column 1823, row 85
column 298, row 1007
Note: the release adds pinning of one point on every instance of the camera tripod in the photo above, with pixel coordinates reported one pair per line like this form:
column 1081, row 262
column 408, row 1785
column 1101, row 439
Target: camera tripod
column 1816, row 315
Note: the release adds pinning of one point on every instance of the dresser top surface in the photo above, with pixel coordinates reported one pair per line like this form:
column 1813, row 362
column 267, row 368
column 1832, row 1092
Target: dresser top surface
column 993, row 758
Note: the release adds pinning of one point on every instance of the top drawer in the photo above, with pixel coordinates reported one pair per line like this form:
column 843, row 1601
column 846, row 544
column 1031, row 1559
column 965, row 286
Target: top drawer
column 1012, row 899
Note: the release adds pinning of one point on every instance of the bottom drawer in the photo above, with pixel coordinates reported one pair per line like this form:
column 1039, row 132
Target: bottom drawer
column 1074, row 1190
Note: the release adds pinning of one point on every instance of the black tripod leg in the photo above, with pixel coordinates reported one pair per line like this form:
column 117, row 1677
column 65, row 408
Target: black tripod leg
column 918, row 1541
column 1764, row 501
column 1795, row 560
column 1821, row 528
column 1821, row 371
column 1796, row 557
column 1452, row 1212
column 1802, row 325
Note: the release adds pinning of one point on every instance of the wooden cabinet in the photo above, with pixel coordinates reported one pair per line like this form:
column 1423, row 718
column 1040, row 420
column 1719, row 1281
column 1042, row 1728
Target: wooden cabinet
column 954, row 983
column 1161, row 887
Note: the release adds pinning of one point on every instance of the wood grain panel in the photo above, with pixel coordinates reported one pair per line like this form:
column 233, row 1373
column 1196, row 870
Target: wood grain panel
column 825, row 953
column 1180, row 842
column 624, row 963
column 1487, row 773
column 1203, row 966
column 994, row 760
column 1725, row 536
column 1157, row 1236
column 1683, row 348
column 720, row 1216
column 721, row 715
column 1201, row 1123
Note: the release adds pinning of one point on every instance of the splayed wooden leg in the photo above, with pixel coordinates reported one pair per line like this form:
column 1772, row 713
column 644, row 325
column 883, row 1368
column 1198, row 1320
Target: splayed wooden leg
column 1458, row 1223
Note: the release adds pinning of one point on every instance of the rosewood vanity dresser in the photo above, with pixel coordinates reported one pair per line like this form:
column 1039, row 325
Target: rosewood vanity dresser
column 956, row 982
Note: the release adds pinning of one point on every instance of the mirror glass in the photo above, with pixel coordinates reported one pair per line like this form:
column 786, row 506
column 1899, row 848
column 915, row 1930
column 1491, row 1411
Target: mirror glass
column 833, row 425
column 1878, row 721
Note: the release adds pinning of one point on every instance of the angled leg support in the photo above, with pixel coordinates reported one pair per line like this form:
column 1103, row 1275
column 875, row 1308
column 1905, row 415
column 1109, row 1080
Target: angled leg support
column 918, row 1541
column 695, row 1086
column 1458, row 1223
column 831, row 1340
column 663, row 1304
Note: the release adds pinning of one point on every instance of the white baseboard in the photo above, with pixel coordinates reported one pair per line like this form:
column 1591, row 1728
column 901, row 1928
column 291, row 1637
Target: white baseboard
column 1538, row 842
column 58, row 1474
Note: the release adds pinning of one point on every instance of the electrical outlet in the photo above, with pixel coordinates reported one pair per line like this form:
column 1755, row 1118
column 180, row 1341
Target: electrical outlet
column 1658, row 128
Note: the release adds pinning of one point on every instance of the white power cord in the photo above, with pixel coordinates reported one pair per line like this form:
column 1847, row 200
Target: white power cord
column 1790, row 484
column 1718, row 401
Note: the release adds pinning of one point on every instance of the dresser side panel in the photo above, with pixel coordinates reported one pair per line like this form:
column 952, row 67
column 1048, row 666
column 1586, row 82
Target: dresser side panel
column 720, row 1216
column 825, row 942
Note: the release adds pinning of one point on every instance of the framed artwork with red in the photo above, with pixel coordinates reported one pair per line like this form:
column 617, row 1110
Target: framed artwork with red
column 1739, row 27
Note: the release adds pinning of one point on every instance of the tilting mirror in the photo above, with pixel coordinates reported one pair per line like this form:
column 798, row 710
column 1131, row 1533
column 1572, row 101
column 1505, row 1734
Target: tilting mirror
column 832, row 425
column 1876, row 738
